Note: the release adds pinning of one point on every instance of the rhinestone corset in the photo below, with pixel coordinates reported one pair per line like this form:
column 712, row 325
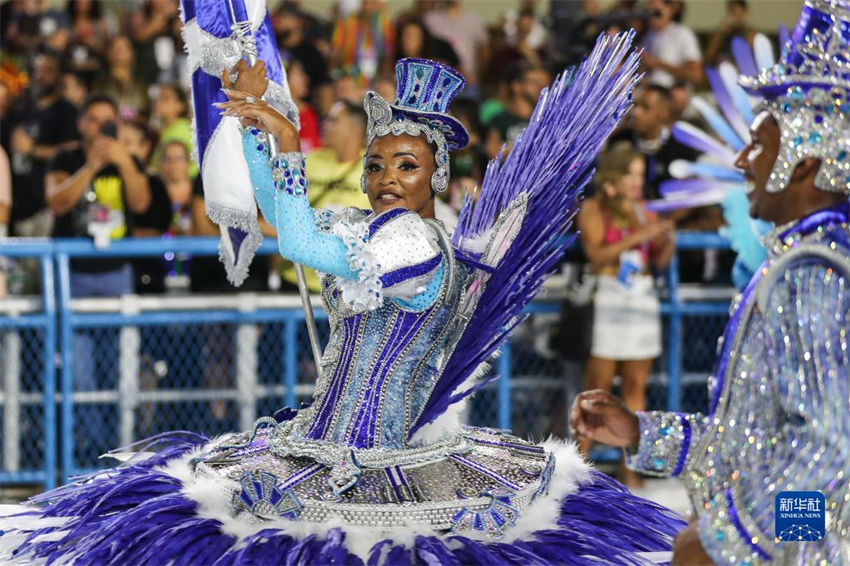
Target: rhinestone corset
column 380, row 365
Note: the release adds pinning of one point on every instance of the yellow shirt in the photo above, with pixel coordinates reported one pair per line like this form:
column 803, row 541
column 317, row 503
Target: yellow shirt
column 333, row 185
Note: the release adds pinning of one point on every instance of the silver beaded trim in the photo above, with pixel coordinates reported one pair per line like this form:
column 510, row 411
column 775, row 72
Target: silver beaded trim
column 380, row 123
column 331, row 454
column 497, row 471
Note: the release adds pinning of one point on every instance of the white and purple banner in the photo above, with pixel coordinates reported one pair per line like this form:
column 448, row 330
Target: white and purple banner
column 217, row 34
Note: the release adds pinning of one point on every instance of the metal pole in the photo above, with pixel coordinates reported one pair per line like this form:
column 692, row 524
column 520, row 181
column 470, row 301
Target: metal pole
column 312, row 331
column 12, row 406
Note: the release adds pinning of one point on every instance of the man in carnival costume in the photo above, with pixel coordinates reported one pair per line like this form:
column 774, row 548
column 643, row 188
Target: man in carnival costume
column 779, row 417
column 378, row 470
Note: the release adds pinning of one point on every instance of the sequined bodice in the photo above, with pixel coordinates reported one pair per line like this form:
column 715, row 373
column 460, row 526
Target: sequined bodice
column 379, row 367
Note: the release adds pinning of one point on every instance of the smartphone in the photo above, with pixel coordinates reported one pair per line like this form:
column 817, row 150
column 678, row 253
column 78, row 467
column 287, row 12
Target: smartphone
column 109, row 129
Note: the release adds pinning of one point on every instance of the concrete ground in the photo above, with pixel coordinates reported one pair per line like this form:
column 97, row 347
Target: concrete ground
column 668, row 492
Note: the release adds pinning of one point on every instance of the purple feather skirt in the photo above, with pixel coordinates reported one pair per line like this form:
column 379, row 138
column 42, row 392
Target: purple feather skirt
column 139, row 514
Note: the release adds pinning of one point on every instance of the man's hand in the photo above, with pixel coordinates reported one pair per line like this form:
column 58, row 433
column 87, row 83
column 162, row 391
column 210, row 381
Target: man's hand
column 649, row 60
column 116, row 153
column 598, row 415
column 688, row 550
column 98, row 154
column 252, row 80
column 21, row 142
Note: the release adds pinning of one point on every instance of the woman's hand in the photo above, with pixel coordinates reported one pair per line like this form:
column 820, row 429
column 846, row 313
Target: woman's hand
column 251, row 80
column 656, row 230
column 256, row 113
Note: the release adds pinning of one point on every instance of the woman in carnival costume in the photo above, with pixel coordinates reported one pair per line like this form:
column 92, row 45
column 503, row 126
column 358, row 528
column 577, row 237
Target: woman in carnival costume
column 378, row 470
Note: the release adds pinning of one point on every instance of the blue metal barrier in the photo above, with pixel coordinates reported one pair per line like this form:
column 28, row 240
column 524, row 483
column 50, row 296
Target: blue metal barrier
column 29, row 442
column 285, row 323
column 81, row 322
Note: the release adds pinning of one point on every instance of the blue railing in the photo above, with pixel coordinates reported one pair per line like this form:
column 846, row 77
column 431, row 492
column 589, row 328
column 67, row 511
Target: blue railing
column 40, row 322
column 57, row 314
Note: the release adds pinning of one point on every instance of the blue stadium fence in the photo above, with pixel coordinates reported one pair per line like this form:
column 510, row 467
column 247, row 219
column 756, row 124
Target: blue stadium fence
column 215, row 362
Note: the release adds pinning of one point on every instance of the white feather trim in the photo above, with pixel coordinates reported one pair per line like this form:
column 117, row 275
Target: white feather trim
column 570, row 472
column 440, row 428
column 213, row 503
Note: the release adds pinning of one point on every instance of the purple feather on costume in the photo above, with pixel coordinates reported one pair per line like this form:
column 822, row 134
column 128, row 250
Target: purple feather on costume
column 551, row 162
column 783, row 36
column 692, row 136
column 726, row 104
column 743, row 54
column 678, row 187
column 137, row 514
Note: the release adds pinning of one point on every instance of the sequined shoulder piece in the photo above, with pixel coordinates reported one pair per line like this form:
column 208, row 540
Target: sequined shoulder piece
column 806, row 253
column 404, row 245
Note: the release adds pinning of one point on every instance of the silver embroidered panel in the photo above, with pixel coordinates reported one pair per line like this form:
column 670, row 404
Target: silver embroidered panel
column 479, row 477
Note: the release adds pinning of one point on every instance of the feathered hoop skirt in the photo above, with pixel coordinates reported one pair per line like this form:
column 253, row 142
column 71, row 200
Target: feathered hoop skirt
column 493, row 499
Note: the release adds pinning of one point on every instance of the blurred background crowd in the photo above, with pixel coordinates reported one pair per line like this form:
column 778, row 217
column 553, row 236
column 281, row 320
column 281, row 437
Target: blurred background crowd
column 96, row 112
column 80, row 75
column 97, row 142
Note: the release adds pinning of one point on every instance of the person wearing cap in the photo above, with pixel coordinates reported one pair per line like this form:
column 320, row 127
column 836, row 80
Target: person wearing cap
column 778, row 424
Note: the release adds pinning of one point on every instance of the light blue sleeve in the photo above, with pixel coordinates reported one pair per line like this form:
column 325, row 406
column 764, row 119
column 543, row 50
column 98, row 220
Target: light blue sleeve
column 257, row 156
column 394, row 254
column 285, row 206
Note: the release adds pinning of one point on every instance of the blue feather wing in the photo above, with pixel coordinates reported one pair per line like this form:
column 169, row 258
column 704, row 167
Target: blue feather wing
column 526, row 207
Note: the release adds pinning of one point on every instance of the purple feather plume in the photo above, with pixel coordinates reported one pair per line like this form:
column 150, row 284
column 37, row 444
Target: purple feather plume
column 783, row 37
column 552, row 163
column 737, row 120
column 743, row 54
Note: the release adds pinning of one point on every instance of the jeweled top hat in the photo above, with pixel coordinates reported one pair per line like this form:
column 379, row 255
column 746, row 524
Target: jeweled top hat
column 808, row 93
column 424, row 90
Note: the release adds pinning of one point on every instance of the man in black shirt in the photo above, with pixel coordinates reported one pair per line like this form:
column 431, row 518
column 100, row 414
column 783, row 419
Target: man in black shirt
column 93, row 190
column 648, row 127
column 44, row 125
column 526, row 82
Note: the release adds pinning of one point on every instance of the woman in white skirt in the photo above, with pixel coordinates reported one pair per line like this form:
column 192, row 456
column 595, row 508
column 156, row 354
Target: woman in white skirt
column 623, row 241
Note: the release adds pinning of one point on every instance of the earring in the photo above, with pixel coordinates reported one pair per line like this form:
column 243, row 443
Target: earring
column 440, row 179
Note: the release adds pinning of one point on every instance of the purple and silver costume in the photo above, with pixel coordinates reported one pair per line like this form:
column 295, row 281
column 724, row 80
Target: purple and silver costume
column 377, row 469
column 779, row 418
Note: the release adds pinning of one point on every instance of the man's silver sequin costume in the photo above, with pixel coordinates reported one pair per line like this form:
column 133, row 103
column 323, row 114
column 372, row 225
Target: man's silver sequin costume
column 779, row 418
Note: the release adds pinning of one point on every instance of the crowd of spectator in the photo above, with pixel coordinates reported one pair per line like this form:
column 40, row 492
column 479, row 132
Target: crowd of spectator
column 97, row 141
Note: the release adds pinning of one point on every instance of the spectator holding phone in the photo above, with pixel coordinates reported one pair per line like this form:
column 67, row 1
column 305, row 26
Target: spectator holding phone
column 622, row 241
column 93, row 189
